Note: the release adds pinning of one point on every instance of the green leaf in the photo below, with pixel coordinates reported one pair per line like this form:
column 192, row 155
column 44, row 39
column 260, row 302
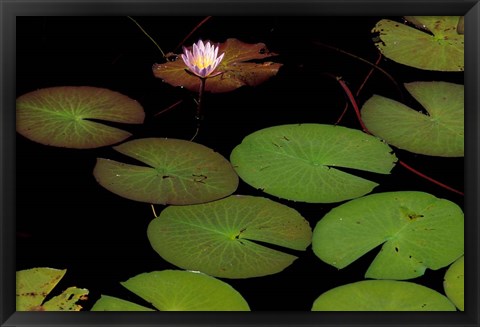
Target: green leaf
column 439, row 133
column 440, row 47
column 33, row 286
column 304, row 162
column 67, row 300
column 218, row 238
column 178, row 172
column 110, row 303
column 382, row 295
column 174, row 290
column 62, row 116
column 454, row 283
column 235, row 68
column 417, row 230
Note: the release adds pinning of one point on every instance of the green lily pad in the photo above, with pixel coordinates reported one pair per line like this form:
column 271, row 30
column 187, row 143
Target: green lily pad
column 236, row 69
column 218, row 238
column 63, row 116
column 454, row 283
column 34, row 285
column 177, row 172
column 440, row 133
column 110, row 303
column 304, row 162
column 174, row 290
column 382, row 295
column 417, row 230
column 442, row 50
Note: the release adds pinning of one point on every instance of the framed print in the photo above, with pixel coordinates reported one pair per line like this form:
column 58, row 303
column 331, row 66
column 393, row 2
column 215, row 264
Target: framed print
column 267, row 163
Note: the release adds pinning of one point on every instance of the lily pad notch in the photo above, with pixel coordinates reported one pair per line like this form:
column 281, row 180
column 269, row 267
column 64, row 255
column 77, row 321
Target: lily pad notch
column 66, row 116
column 175, row 172
column 305, row 162
column 219, row 238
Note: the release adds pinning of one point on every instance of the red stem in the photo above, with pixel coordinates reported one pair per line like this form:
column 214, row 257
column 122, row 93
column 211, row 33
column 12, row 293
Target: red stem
column 193, row 31
column 369, row 74
column 169, row 108
column 429, row 178
column 357, row 111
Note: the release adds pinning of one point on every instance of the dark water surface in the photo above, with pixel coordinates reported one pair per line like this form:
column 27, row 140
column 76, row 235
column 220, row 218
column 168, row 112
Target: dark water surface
column 66, row 220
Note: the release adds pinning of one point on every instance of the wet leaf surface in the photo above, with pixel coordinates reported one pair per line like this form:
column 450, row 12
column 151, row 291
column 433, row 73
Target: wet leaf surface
column 236, row 68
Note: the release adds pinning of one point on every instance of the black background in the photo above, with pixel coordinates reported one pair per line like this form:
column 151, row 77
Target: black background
column 66, row 220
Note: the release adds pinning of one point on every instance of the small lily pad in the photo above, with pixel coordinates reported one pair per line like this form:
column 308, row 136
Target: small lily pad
column 174, row 290
column 218, row 238
column 439, row 47
column 438, row 133
column 236, row 68
column 63, row 116
column 176, row 172
column 34, row 285
column 304, row 162
column 454, row 283
column 417, row 230
column 382, row 295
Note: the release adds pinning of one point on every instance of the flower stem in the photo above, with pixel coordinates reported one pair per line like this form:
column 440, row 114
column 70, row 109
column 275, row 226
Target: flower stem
column 199, row 114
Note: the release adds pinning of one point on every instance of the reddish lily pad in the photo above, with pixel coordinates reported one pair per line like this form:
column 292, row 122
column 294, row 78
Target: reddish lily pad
column 62, row 116
column 176, row 172
column 235, row 68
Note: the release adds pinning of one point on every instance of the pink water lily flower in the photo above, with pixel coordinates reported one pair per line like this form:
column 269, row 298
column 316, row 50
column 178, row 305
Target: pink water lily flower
column 202, row 60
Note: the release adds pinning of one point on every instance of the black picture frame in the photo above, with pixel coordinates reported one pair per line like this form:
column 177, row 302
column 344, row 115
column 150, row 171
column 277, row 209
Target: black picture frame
column 11, row 9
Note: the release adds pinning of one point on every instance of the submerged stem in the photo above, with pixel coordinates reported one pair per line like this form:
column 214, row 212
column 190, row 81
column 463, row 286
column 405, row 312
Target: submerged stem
column 199, row 113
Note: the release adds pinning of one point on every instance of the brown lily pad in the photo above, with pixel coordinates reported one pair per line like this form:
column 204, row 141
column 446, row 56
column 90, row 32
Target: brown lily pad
column 236, row 69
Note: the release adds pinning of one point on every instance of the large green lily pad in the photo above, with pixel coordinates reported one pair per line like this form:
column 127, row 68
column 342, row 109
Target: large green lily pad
column 34, row 285
column 417, row 230
column 454, row 283
column 174, row 290
column 218, row 238
column 236, row 67
column 63, row 116
column 382, row 295
column 438, row 133
column 304, row 162
column 176, row 172
column 442, row 49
